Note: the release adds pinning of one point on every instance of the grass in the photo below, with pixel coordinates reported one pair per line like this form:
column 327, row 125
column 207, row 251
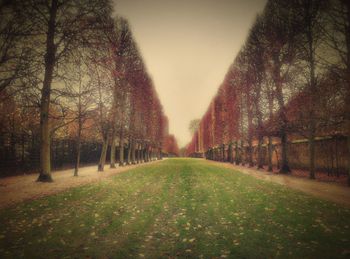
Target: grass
column 177, row 208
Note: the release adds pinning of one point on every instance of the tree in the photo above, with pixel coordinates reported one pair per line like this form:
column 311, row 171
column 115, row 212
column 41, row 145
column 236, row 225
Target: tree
column 280, row 38
column 14, row 53
column 338, row 35
column 194, row 125
column 256, row 52
column 81, row 93
column 311, row 14
column 64, row 24
column 170, row 146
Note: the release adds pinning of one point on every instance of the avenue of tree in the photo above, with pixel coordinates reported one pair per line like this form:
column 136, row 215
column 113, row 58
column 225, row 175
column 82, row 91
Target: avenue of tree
column 291, row 80
column 69, row 69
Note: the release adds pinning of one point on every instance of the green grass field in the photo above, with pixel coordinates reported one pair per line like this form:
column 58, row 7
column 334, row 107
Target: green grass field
column 183, row 208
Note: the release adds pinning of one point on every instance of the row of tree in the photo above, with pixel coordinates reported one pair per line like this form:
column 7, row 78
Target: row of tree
column 68, row 69
column 291, row 79
column 170, row 146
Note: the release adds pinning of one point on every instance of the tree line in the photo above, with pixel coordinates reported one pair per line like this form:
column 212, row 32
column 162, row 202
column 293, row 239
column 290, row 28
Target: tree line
column 70, row 69
column 290, row 80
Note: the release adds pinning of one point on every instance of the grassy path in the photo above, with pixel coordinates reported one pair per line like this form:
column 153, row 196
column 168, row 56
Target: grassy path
column 177, row 208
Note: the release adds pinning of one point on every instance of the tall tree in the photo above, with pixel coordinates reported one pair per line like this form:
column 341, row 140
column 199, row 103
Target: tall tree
column 311, row 16
column 255, row 52
column 14, row 52
column 64, row 24
column 338, row 35
column 280, row 37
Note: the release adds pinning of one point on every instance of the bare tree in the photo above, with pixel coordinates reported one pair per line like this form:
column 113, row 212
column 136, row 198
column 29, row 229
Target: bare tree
column 14, row 55
column 338, row 35
column 80, row 94
column 280, row 39
column 255, row 54
column 63, row 23
column 311, row 20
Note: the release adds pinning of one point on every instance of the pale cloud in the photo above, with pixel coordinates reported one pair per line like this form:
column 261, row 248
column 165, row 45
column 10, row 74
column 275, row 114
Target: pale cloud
column 188, row 47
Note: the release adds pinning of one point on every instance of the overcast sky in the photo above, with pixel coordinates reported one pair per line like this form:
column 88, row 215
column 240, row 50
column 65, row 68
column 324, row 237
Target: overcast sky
column 188, row 46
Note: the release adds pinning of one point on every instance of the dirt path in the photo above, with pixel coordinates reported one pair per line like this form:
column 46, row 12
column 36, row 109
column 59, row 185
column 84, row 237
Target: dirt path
column 24, row 187
column 328, row 191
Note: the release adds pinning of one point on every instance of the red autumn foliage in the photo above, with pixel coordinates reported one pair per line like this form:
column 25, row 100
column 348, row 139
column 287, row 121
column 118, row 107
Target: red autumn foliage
column 219, row 124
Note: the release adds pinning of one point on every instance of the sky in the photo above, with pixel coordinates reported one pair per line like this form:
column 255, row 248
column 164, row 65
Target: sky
column 188, row 46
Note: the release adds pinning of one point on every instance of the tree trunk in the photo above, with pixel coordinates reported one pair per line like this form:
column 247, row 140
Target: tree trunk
column 347, row 122
column 77, row 162
column 126, row 154
column 50, row 58
column 144, row 154
column 250, row 134
column 121, row 149
column 160, row 154
column 141, row 153
column 347, row 116
column 229, row 153
column 222, row 155
column 117, row 154
column 113, row 144
column 269, row 145
column 348, row 140
column 312, row 125
column 260, row 156
column 133, row 152
column 242, row 154
column 102, row 162
column 128, row 162
column 282, row 114
column 270, row 150
column 250, row 152
column 277, row 158
column 147, row 154
column 137, row 151
column 236, row 153
column 284, row 168
column 312, row 88
column 347, row 100
column 139, row 158
column 260, row 138
column 312, row 153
